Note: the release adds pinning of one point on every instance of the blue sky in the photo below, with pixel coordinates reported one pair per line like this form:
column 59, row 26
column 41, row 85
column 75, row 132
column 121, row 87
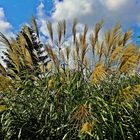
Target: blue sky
column 20, row 11
column 14, row 13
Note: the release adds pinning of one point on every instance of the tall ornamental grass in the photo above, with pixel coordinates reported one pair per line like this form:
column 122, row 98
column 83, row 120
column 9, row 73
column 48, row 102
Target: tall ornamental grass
column 55, row 91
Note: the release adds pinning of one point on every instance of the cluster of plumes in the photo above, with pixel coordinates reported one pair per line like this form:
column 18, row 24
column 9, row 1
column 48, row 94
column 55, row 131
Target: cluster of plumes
column 24, row 53
column 113, row 54
column 83, row 119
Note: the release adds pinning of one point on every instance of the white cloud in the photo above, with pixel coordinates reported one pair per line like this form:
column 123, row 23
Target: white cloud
column 114, row 4
column 70, row 9
column 91, row 11
column 1, row 13
column 5, row 28
column 40, row 10
column 42, row 19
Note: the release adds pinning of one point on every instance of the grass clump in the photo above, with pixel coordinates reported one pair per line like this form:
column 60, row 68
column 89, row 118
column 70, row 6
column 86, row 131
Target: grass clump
column 72, row 110
column 61, row 94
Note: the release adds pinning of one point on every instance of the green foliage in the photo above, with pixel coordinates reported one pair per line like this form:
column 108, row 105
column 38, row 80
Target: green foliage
column 36, row 111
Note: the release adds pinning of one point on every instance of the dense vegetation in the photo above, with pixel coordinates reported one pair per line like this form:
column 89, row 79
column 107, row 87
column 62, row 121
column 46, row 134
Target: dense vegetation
column 79, row 87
